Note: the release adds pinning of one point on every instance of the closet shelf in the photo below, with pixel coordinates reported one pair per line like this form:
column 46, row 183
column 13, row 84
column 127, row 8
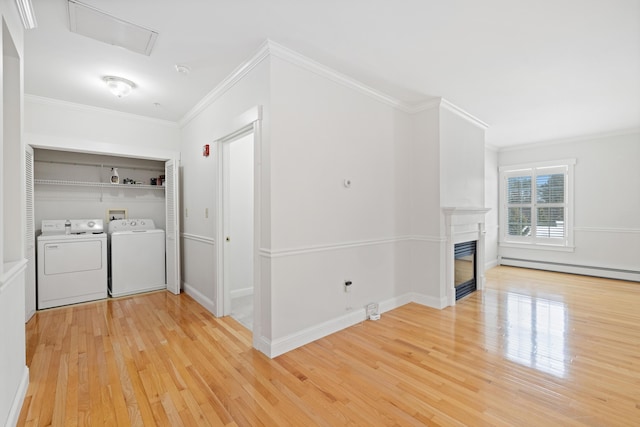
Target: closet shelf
column 98, row 184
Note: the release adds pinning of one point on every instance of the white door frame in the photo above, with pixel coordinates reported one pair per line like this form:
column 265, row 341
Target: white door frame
column 248, row 123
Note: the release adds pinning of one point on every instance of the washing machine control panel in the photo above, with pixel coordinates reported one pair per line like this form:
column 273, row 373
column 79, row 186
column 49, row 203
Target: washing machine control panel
column 131, row 225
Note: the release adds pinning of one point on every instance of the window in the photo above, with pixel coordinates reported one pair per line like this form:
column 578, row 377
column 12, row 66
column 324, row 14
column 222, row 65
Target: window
column 536, row 205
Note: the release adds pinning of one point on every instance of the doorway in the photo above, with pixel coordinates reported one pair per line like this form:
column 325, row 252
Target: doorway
column 238, row 225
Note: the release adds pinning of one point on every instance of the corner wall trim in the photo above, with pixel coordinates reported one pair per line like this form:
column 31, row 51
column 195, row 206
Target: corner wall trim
column 198, row 238
column 276, row 253
column 491, row 264
column 12, row 270
column 462, row 113
column 271, row 48
column 424, row 238
column 16, row 405
column 298, row 339
column 308, row 64
column 581, row 138
column 226, row 84
column 200, row 298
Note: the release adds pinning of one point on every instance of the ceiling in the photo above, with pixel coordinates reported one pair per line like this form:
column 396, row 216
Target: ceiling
column 532, row 70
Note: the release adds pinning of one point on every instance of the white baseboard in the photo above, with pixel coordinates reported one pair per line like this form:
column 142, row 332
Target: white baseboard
column 490, row 264
column 429, row 301
column 199, row 297
column 298, row 339
column 16, row 406
column 263, row 345
column 395, row 302
column 607, row 272
column 237, row 293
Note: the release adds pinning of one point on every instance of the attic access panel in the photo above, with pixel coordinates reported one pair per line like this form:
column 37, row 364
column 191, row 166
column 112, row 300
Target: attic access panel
column 101, row 26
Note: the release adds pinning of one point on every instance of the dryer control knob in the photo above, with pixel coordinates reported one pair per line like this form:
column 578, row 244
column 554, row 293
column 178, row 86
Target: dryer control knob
column 141, row 222
column 132, row 223
column 91, row 224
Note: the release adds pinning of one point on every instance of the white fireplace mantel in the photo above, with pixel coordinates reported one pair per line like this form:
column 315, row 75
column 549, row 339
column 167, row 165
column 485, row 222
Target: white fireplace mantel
column 463, row 224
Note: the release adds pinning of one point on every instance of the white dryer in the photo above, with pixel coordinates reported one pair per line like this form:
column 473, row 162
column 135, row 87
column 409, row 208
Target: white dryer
column 137, row 257
column 72, row 262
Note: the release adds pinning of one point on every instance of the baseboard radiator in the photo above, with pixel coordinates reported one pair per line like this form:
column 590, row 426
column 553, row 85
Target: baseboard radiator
column 607, row 272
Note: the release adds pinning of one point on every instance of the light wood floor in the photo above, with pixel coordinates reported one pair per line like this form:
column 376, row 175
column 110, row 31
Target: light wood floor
column 535, row 348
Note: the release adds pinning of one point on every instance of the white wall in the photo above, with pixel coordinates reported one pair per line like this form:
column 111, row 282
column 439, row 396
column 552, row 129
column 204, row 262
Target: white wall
column 200, row 183
column 64, row 123
column 491, row 201
column 14, row 374
column 607, row 202
column 447, row 166
column 322, row 232
column 461, row 161
column 383, row 232
column 427, row 277
column 77, row 202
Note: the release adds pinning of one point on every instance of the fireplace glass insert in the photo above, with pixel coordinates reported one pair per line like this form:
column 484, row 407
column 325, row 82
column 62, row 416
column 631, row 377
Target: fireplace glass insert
column 464, row 278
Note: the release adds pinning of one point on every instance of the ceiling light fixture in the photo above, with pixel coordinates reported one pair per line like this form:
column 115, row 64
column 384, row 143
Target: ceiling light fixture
column 118, row 86
column 183, row 69
column 26, row 14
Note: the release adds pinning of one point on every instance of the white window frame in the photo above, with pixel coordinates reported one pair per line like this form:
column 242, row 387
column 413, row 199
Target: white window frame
column 534, row 169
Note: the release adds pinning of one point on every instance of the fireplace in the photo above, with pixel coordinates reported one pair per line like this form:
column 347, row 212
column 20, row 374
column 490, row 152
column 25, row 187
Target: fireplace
column 464, row 227
column 464, row 268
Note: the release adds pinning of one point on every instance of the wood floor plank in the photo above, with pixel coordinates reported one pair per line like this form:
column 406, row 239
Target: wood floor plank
column 534, row 348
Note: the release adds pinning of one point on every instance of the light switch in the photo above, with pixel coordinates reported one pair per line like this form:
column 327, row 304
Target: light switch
column 206, row 212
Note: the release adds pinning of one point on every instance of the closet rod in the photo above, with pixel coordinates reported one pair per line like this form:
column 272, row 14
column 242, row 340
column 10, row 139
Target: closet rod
column 100, row 165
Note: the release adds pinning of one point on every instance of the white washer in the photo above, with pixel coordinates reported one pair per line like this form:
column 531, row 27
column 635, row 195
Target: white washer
column 72, row 262
column 137, row 257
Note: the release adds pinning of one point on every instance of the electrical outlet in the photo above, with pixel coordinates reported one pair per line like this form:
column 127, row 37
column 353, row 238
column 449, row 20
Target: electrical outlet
column 186, row 212
column 347, row 285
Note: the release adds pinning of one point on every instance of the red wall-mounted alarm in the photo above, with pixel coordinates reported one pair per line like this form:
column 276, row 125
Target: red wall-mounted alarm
column 205, row 150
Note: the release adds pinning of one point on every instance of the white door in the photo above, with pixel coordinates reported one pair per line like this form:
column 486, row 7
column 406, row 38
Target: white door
column 238, row 211
column 29, row 239
column 173, row 226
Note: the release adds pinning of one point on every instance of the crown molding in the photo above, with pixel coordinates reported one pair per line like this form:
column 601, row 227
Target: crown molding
column 271, row 48
column 462, row 113
column 295, row 58
column 284, row 53
column 449, row 106
column 582, row 138
column 236, row 75
column 35, row 99
column 428, row 105
column 27, row 15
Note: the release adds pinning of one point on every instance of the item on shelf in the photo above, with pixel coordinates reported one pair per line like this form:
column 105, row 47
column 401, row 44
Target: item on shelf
column 115, row 178
column 161, row 180
column 153, row 181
